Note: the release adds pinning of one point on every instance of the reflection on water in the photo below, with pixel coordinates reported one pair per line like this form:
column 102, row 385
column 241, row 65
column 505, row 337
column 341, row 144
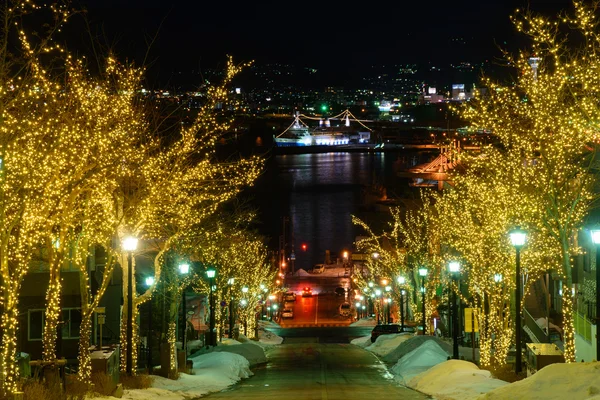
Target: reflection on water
column 319, row 193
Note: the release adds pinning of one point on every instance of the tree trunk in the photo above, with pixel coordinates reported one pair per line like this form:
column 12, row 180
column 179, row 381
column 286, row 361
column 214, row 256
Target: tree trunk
column 53, row 315
column 10, row 328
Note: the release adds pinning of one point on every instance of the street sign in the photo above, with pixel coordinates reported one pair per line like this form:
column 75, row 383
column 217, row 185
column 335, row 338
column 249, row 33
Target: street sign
column 101, row 310
column 101, row 319
column 471, row 324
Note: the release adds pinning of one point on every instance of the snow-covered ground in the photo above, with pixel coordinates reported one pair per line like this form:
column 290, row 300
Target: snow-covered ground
column 421, row 363
column 213, row 369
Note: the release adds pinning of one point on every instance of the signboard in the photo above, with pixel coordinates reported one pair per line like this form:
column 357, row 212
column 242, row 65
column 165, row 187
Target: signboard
column 471, row 324
column 101, row 310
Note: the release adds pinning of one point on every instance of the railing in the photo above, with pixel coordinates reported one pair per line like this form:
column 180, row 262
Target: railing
column 534, row 329
column 583, row 327
column 587, row 309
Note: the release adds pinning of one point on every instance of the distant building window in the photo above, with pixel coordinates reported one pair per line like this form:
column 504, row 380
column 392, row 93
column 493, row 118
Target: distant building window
column 71, row 318
column 70, row 323
column 35, row 325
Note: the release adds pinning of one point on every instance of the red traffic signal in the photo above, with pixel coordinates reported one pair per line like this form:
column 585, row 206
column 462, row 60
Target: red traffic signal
column 304, row 246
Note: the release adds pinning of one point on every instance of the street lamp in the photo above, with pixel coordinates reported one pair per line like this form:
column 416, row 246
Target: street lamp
column 596, row 240
column 388, row 289
column 230, row 282
column 184, row 269
column 378, row 298
column 517, row 238
column 210, row 273
column 454, row 268
column 423, row 274
column 129, row 245
column 149, row 282
column 401, row 280
column 244, row 303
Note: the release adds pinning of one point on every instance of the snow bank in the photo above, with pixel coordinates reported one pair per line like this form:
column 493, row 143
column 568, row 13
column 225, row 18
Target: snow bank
column 456, row 380
column 385, row 344
column 212, row 372
column 363, row 342
column 365, row 322
column 252, row 352
column 572, row 381
column 418, row 361
column 412, row 343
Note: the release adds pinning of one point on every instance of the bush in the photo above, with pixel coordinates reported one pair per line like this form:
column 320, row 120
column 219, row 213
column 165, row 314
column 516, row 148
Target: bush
column 142, row 381
column 506, row 373
column 103, row 384
column 34, row 390
column 76, row 390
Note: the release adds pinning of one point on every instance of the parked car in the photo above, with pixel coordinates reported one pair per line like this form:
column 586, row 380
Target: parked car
column 287, row 313
column 389, row 329
column 306, row 292
column 346, row 310
column 318, row 269
column 289, row 296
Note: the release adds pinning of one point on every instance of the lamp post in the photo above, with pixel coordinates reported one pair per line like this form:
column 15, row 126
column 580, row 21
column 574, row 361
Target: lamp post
column 129, row 245
column 401, row 280
column 454, row 268
column 230, row 282
column 378, row 297
column 210, row 273
column 388, row 289
column 149, row 282
column 517, row 238
column 596, row 240
column 184, row 269
column 244, row 302
column 423, row 274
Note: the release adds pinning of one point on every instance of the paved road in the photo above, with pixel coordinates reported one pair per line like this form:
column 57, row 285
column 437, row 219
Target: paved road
column 325, row 371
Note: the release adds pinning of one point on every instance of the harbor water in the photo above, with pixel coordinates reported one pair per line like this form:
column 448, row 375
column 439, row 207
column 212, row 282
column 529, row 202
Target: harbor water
column 316, row 195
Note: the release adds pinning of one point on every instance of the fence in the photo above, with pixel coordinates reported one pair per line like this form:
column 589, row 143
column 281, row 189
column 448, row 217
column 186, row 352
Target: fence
column 583, row 327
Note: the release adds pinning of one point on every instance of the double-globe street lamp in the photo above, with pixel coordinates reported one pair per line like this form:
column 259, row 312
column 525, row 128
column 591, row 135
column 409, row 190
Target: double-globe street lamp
column 129, row 245
column 401, row 281
column 423, row 275
column 517, row 238
column 210, row 274
column 230, row 282
column 454, row 268
column 596, row 241
column 244, row 303
column 184, row 269
column 149, row 282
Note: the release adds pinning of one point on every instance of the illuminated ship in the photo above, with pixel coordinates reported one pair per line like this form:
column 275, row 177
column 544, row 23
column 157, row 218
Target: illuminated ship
column 300, row 134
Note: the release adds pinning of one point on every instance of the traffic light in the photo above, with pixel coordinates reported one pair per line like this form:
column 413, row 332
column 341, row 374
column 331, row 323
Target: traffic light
column 304, row 247
column 324, row 107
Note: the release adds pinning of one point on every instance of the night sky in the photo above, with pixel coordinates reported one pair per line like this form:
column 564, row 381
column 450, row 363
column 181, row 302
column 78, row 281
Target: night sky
column 341, row 38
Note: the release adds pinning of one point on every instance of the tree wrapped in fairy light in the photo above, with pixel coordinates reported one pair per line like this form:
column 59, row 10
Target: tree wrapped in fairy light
column 176, row 184
column 548, row 121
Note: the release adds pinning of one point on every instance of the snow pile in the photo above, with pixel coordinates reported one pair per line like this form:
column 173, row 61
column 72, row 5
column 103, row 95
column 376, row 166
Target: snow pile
column 412, row 343
column 572, row 381
column 457, row 379
column 386, row 344
column 419, row 360
column 365, row 322
column 212, row 372
column 363, row 342
column 252, row 352
column 301, row 272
